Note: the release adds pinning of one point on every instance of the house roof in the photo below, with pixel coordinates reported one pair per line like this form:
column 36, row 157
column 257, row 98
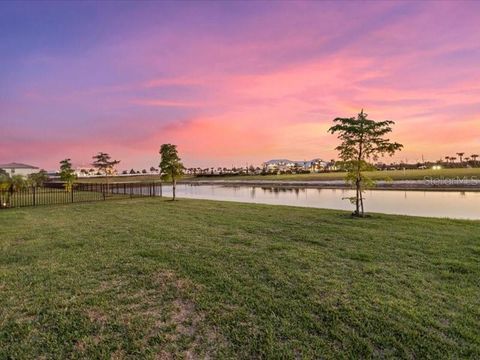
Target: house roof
column 14, row 165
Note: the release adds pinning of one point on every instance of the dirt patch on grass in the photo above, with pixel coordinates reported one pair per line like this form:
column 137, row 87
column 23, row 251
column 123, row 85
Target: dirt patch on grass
column 158, row 310
column 97, row 316
column 183, row 323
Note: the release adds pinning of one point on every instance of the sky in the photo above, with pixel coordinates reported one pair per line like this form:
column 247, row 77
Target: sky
column 234, row 82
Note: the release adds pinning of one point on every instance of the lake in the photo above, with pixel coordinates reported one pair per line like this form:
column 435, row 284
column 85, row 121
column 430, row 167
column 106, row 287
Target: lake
column 451, row 204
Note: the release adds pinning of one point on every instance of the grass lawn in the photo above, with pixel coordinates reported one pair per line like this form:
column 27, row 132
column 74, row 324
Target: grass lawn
column 376, row 175
column 150, row 278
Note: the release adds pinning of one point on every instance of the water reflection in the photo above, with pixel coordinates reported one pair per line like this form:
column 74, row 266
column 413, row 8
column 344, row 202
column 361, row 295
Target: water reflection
column 459, row 204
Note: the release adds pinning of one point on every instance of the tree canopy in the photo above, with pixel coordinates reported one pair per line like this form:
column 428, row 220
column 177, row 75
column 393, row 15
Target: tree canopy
column 38, row 179
column 104, row 164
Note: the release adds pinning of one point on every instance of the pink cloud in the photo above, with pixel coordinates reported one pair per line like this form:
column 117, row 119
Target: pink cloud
column 267, row 86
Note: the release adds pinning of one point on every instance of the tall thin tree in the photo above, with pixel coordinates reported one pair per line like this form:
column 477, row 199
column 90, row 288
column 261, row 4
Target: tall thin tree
column 104, row 164
column 171, row 166
column 362, row 140
column 67, row 174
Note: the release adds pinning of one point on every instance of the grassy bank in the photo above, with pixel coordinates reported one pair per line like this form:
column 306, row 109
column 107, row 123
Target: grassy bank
column 376, row 175
column 150, row 277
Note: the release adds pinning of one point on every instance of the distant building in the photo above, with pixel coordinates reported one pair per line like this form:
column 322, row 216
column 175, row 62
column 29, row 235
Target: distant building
column 19, row 169
column 85, row 171
column 314, row 165
column 279, row 165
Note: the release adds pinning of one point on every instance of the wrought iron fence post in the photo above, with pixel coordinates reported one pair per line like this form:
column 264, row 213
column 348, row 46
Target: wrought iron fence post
column 33, row 192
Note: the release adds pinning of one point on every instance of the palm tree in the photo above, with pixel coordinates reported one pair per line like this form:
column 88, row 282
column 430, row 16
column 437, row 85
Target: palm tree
column 474, row 157
column 452, row 159
column 460, row 154
column 447, row 158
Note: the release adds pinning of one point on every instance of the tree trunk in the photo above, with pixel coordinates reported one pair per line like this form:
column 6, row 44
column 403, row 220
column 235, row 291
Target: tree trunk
column 357, row 197
column 359, row 175
column 361, row 202
column 174, row 186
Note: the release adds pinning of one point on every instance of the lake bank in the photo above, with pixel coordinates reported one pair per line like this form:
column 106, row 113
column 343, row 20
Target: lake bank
column 454, row 173
column 427, row 184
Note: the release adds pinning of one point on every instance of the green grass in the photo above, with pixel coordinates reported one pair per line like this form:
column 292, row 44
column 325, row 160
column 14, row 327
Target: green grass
column 146, row 278
column 376, row 175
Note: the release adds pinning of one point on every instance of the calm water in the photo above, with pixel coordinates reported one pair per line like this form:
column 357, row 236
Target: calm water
column 461, row 205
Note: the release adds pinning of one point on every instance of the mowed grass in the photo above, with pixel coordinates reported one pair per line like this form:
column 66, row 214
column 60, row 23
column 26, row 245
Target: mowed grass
column 375, row 175
column 151, row 278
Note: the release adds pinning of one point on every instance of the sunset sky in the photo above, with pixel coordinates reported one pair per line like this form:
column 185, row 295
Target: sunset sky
column 233, row 82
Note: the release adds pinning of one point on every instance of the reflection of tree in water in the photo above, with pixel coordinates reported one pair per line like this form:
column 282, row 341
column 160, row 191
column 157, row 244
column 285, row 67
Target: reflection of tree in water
column 278, row 190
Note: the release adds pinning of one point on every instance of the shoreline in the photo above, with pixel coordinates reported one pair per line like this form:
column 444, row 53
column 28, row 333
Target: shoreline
column 401, row 185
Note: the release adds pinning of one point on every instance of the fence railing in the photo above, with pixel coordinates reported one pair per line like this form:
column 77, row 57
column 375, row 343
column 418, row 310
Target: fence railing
column 57, row 193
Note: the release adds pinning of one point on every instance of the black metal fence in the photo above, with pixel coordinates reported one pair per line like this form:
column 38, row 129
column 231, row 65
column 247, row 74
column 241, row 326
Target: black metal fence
column 58, row 193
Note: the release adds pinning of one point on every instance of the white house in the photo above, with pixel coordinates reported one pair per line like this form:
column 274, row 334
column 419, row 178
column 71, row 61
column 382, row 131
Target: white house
column 19, row 169
column 278, row 165
column 314, row 165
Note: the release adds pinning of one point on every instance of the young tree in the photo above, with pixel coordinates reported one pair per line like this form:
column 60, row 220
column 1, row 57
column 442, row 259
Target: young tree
column 4, row 186
column 9, row 185
column 362, row 140
column 104, row 164
column 170, row 164
column 38, row 179
column 67, row 174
